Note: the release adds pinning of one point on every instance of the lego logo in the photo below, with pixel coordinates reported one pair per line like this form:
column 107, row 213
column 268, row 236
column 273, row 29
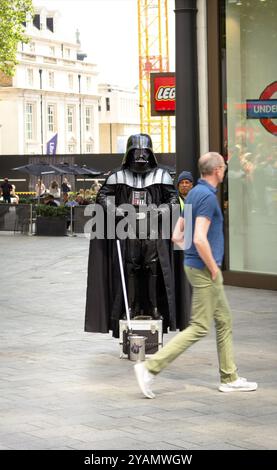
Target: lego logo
column 166, row 93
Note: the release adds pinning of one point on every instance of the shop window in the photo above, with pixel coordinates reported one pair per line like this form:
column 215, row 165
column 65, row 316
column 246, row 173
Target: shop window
column 251, row 134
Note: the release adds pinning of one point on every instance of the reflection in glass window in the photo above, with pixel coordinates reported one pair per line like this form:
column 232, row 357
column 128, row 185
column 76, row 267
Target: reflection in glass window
column 252, row 146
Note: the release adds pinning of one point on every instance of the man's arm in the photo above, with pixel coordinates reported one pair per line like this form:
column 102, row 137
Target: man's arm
column 202, row 245
column 178, row 233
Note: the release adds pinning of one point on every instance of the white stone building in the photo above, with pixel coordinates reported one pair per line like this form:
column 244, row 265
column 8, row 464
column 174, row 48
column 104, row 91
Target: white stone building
column 118, row 117
column 54, row 91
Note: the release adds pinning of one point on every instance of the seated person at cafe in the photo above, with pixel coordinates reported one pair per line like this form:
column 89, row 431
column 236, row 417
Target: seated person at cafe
column 54, row 190
column 49, row 200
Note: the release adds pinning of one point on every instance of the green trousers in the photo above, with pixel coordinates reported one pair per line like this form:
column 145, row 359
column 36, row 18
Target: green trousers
column 208, row 302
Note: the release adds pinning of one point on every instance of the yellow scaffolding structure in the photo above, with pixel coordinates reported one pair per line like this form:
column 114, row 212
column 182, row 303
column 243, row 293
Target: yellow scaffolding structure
column 153, row 57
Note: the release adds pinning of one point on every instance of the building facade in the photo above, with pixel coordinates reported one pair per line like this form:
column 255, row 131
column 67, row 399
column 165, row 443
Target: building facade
column 53, row 93
column 118, row 117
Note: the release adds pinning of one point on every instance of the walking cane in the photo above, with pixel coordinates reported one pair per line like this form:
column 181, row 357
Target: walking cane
column 123, row 285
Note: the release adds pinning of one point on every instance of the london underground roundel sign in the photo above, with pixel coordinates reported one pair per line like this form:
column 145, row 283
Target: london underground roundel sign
column 268, row 92
column 264, row 108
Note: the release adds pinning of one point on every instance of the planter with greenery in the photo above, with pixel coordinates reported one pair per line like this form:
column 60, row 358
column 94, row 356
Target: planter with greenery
column 51, row 220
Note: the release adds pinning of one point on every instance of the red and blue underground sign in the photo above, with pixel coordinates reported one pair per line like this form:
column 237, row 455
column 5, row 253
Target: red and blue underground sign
column 264, row 109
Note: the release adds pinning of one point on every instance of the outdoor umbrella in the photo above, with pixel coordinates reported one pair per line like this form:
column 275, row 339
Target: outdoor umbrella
column 75, row 169
column 40, row 169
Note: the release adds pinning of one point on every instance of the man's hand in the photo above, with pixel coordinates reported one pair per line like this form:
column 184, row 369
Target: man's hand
column 178, row 233
column 214, row 273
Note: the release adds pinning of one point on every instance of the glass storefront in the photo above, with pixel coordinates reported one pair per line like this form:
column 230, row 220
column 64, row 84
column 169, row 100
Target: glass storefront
column 250, row 133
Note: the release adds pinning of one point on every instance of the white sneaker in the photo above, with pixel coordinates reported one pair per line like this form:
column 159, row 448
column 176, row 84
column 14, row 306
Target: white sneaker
column 145, row 379
column 239, row 385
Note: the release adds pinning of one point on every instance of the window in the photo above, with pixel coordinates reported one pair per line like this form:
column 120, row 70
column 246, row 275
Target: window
column 88, row 118
column 251, row 138
column 30, row 77
column 51, row 117
column 67, row 52
column 70, row 118
column 108, row 104
column 71, row 148
column 32, row 46
column 70, row 81
column 50, row 24
column 88, row 80
column 52, row 50
column 51, row 81
column 89, row 148
column 36, row 21
column 29, row 121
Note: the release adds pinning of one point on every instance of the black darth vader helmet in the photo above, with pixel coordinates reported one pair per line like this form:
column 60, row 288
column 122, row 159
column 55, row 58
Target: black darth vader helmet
column 139, row 156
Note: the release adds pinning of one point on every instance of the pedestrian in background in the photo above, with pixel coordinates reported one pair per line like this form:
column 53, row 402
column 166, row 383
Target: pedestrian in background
column 54, row 190
column 184, row 185
column 40, row 188
column 6, row 189
column 202, row 266
column 66, row 187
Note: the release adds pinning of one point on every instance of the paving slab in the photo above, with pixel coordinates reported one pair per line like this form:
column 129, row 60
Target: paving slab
column 62, row 388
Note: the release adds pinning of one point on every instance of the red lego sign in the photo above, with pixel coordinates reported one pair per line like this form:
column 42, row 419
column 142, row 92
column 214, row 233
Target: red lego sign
column 163, row 93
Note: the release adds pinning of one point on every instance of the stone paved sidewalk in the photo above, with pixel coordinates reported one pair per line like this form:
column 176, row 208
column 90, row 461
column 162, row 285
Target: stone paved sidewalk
column 61, row 388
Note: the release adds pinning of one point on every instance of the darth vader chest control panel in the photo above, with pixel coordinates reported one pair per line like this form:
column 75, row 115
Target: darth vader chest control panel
column 139, row 198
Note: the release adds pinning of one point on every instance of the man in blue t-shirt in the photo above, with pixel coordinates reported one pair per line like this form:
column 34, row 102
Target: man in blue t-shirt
column 202, row 266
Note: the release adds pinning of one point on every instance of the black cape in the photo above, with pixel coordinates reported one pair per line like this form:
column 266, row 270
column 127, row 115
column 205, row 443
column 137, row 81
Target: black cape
column 104, row 301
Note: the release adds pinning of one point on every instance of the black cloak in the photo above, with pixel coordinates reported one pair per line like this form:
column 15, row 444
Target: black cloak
column 104, row 301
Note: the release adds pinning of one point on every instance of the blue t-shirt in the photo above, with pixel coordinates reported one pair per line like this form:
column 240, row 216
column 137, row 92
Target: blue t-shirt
column 205, row 204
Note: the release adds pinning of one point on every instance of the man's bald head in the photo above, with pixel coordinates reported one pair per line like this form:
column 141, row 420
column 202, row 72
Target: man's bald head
column 208, row 162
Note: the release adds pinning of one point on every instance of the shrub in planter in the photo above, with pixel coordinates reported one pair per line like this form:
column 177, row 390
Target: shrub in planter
column 51, row 220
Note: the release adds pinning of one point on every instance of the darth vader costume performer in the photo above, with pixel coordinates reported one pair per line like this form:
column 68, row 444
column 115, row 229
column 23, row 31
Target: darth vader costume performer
column 148, row 260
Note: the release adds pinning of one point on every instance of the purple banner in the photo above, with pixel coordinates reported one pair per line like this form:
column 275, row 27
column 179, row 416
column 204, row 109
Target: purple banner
column 52, row 145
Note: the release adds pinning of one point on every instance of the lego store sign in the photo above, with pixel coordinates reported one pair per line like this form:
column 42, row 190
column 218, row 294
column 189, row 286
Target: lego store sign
column 162, row 94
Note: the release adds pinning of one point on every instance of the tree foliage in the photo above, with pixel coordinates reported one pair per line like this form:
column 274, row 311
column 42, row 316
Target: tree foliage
column 13, row 15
